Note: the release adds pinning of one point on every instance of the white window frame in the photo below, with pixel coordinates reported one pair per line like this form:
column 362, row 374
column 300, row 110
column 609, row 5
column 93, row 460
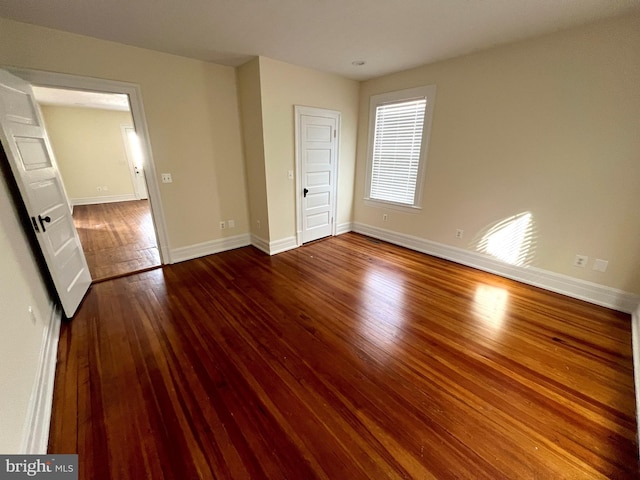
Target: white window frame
column 428, row 92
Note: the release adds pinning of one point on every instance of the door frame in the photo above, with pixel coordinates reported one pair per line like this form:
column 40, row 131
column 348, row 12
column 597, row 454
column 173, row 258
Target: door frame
column 134, row 92
column 299, row 111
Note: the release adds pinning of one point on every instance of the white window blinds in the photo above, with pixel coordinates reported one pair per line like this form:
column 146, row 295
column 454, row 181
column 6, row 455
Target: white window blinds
column 396, row 150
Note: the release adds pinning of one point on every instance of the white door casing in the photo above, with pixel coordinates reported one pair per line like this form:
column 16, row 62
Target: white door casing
column 135, row 158
column 29, row 153
column 317, row 137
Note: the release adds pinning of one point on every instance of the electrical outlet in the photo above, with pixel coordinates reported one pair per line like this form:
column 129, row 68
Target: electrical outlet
column 223, row 225
column 290, row 174
column 99, row 189
column 600, row 265
column 166, row 178
column 385, row 217
column 258, row 224
column 231, row 223
column 459, row 233
column 580, row 261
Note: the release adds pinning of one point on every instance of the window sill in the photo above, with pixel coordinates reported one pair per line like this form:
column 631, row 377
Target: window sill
column 394, row 206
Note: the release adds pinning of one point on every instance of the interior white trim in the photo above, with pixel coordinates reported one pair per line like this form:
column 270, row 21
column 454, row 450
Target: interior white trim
column 274, row 247
column 344, row 228
column 300, row 110
column 555, row 282
column 63, row 80
column 635, row 341
column 260, row 243
column 282, row 245
column 35, row 435
column 127, row 197
column 209, row 248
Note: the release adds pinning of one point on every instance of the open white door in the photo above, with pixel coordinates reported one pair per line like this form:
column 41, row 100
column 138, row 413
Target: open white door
column 135, row 157
column 29, row 153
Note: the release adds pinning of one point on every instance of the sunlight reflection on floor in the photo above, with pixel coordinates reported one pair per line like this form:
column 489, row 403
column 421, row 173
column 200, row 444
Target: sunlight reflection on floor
column 489, row 306
column 383, row 327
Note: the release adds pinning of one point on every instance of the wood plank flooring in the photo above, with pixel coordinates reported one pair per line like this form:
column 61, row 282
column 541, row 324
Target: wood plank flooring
column 344, row 359
column 117, row 238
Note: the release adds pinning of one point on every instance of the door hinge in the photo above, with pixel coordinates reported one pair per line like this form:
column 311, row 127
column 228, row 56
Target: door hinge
column 335, row 133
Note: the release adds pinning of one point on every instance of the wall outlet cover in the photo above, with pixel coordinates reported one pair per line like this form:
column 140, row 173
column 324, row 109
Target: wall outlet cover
column 600, row 265
column 580, row 261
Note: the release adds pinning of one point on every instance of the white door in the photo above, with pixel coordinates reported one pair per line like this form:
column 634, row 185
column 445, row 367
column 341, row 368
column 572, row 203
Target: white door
column 318, row 156
column 29, row 153
column 135, row 158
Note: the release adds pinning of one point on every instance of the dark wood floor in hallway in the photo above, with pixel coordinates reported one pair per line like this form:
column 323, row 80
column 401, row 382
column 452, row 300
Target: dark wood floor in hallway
column 117, row 238
column 344, row 359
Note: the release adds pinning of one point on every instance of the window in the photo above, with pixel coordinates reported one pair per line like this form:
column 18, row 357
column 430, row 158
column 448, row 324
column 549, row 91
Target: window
column 399, row 126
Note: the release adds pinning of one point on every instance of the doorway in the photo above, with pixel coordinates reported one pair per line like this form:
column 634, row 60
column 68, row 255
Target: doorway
column 101, row 164
column 134, row 94
column 317, row 137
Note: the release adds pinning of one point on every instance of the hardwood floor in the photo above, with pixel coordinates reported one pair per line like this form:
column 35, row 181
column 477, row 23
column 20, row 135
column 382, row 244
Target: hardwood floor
column 117, row 238
column 344, row 359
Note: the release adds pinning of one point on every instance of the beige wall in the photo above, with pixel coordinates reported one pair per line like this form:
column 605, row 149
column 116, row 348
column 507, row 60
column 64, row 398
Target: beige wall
column 192, row 115
column 21, row 287
column 250, row 100
column 550, row 126
column 89, row 149
column 283, row 86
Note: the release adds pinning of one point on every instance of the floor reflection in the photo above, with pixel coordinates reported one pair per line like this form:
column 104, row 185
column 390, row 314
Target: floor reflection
column 490, row 306
column 383, row 327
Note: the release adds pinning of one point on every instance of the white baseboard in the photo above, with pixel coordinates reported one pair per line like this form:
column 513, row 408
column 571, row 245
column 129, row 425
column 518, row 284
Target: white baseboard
column 209, row 248
column 260, row 243
column 282, row 245
column 127, row 197
column 344, row 228
column 277, row 246
column 635, row 342
column 35, row 436
column 555, row 282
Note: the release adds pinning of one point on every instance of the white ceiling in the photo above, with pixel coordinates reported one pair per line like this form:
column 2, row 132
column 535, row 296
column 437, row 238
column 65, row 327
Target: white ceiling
column 79, row 98
column 328, row 35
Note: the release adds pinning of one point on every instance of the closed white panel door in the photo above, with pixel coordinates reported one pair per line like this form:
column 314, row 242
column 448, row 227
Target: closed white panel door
column 318, row 142
column 28, row 150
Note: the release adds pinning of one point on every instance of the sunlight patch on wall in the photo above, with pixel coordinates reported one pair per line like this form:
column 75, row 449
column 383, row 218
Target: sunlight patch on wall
column 511, row 240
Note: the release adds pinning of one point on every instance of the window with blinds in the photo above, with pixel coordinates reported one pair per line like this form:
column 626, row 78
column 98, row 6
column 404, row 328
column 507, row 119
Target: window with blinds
column 399, row 132
column 396, row 151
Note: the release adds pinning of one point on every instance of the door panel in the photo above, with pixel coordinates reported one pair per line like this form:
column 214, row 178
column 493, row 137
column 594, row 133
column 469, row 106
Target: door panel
column 317, row 220
column 322, row 199
column 29, row 153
